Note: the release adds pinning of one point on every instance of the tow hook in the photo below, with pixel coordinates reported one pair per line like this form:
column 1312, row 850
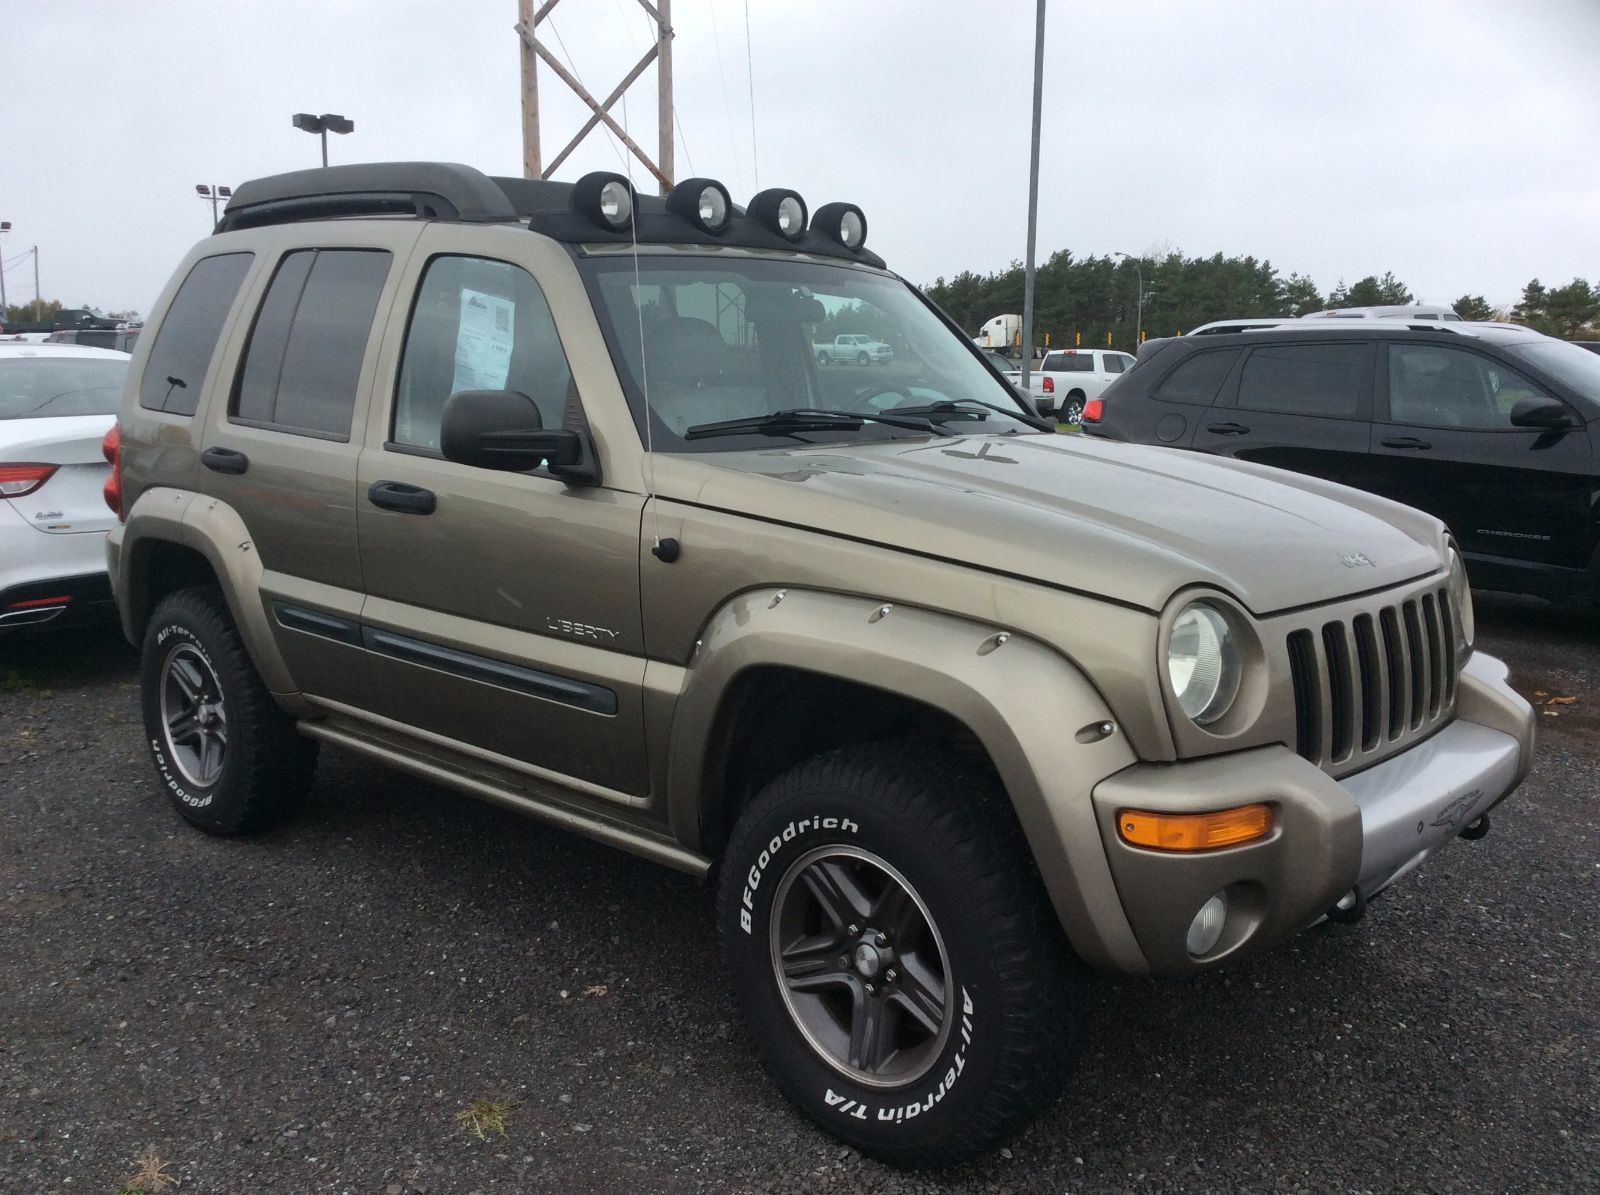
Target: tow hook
column 1475, row 830
column 1349, row 909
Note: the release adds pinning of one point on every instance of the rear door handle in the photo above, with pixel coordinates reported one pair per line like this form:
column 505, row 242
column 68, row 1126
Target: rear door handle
column 1408, row 443
column 224, row 460
column 397, row 495
column 1228, row 429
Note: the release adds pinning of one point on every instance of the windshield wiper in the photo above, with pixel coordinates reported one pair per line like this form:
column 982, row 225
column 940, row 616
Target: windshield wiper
column 809, row 419
column 953, row 406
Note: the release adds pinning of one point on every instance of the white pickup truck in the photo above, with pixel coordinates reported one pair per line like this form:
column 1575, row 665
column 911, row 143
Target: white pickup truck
column 1068, row 378
column 852, row 348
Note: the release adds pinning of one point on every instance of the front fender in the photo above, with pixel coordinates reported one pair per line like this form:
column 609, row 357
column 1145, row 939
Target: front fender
column 1036, row 715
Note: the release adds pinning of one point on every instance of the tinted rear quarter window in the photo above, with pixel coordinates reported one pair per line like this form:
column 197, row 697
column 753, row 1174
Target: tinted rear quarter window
column 1304, row 379
column 1198, row 377
column 187, row 338
column 302, row 365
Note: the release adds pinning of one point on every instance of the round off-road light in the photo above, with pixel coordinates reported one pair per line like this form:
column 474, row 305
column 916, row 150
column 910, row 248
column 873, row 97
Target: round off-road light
column 605, row 198
column 703, row 202
column 842, row 222
column 781, row 210
column 1205, row 931
column 1203, row 663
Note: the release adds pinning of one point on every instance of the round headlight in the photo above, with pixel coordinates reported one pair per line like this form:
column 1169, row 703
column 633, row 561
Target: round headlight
column 1203, row 663
column 1461, row 598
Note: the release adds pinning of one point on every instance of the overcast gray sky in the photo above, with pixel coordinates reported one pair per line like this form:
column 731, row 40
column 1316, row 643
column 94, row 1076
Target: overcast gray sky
column 1450, row 141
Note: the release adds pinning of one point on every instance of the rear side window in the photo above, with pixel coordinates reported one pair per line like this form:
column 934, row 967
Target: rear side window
column 302, row 366
column 187, row 338
column 1304, row 379
column 477, row 325
column 1198, row 377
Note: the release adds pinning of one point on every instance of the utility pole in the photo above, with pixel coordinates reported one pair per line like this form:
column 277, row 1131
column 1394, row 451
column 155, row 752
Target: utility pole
column 36, row 275
column 5, row 226
column 533, row 50
column 1138, row 268
column 1033, row 201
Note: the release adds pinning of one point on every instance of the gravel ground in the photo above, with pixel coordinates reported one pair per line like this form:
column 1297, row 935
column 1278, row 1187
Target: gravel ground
column 308, row 1011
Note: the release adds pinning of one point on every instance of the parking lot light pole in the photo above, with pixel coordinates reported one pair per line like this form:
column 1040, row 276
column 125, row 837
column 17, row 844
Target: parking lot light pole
column 1138, row 328
column 213, row 194
column 5, row 227
column 1033, row 201
column 328, row 122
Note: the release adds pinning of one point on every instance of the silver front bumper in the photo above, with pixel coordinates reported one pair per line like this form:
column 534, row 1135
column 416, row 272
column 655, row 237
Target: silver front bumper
column 1418, row 801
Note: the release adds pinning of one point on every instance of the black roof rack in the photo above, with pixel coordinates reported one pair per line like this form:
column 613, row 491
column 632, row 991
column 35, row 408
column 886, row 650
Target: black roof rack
column 453, row 192
column 433, row 190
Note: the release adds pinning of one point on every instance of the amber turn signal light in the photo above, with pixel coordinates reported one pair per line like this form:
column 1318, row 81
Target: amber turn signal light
column 1194, row 831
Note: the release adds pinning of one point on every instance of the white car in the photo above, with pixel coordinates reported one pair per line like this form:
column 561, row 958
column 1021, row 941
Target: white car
column 1068, row 378
column 57, row 402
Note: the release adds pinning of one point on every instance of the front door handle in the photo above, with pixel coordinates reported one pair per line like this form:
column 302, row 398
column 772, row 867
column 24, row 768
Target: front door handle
column 1228, row 429
column 397, row 495
column 224, row 460
column 1407, row 443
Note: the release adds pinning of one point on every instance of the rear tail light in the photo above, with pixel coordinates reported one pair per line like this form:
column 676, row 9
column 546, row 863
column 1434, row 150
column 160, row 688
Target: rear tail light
column 1049, row 384
column 17, row 481
column 111, row 449
column 1092, row 410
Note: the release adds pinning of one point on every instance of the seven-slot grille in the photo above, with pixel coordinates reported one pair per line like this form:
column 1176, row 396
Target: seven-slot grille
column 1365, row 685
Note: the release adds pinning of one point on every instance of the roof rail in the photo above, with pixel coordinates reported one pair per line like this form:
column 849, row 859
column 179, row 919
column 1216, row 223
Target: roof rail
column 432, row 190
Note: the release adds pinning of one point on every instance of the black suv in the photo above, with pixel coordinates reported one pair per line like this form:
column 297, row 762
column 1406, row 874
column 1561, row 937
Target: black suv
column 1493, row 428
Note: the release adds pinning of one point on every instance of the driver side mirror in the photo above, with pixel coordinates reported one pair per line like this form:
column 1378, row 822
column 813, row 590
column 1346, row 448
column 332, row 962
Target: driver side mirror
column 1545, row 413
column 502, row 429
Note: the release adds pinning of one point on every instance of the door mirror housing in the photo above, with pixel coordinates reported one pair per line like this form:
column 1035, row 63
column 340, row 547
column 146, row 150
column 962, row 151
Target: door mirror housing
column 1545, row 413
column 502, row 429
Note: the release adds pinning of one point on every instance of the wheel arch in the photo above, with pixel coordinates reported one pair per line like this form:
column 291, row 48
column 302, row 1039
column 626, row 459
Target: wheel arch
column 805, row 660
column 174, row 539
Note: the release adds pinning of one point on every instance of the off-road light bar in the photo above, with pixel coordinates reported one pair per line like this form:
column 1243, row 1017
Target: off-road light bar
column 605, row 198
column 703, row 202
column 842, row 222
column 781, row 210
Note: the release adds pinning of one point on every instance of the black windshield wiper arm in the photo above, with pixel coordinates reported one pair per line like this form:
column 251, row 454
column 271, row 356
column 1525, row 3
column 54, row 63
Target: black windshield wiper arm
column 955, row 405
column 783, row 423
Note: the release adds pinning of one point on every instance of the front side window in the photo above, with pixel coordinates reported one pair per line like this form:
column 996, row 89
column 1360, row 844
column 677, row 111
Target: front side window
column 477, row 325
column 45, row 387
column 1304, row 379
column 187, row 338
column 1434, row 386
column 302, row 366
column 1198, row 378
column 699, row 341
column 1115, row 364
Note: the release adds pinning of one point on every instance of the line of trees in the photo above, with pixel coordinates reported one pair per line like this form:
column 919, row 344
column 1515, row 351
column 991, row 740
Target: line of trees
column 1085, row 300
column 40, row 311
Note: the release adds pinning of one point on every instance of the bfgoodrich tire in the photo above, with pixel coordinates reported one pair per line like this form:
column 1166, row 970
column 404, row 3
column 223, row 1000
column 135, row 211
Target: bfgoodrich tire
column 894, row 955
column 228, row 758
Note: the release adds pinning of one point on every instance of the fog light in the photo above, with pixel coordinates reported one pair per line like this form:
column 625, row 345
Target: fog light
column 703, row 202
column 1206, row 928
column 842, row 222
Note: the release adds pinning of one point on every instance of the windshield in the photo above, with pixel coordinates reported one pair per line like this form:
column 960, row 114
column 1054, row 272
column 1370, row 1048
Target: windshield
column 1565, row 362
column 748, row 338
column 47, row 387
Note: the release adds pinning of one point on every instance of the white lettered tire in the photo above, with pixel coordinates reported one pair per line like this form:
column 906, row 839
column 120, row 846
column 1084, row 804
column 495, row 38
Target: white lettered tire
column 226, row 756
column 894, row 955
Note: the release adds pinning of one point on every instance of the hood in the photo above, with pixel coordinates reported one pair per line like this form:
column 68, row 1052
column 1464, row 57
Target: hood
column 1128, row 522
